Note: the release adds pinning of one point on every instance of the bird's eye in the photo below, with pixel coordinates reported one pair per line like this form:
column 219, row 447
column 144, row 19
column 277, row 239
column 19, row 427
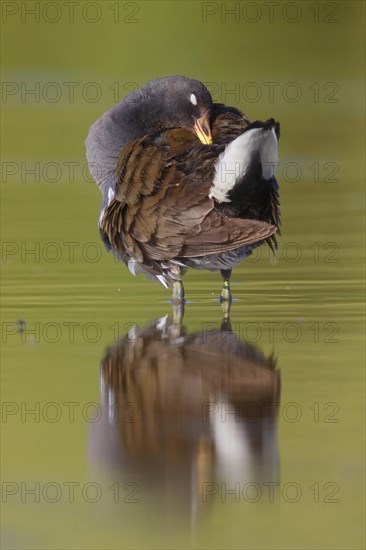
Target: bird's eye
column 193, row 99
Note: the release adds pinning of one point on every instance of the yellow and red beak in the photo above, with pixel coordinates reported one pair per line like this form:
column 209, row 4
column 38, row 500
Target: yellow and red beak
column 203, row 130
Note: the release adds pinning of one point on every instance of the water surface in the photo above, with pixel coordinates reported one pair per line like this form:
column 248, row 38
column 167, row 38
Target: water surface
column 292, row 477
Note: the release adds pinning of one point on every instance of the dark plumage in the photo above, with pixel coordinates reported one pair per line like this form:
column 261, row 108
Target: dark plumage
column 172, row 198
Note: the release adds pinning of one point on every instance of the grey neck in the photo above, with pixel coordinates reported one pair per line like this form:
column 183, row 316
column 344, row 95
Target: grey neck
column 124, row 122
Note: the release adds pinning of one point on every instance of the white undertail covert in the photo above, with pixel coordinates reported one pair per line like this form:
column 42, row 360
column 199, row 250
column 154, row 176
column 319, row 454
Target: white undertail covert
column 234, row 162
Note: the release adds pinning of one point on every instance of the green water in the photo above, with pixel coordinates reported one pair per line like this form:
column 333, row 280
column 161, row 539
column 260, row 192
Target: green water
column 74, row 301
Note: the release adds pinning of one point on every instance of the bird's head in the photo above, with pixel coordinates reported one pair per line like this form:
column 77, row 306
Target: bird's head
column 180, row 102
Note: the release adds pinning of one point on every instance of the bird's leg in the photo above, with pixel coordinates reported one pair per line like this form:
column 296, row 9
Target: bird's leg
column 178, row 292
column 178, row 302
column 178, row 289
column 226, row 297
column 178, row 314
column 226, row 292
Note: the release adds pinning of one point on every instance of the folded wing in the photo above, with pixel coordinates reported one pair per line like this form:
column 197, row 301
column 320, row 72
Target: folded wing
column 162, row 211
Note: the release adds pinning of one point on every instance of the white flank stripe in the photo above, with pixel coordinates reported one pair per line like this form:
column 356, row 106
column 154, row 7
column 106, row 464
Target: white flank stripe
column 131, row 264
column 101, row 217
column 110, row 195
column 162, row 280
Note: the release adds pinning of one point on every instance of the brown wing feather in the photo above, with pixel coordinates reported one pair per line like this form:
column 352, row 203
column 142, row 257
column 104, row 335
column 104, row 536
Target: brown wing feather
column 230, row 234
column 161, row 210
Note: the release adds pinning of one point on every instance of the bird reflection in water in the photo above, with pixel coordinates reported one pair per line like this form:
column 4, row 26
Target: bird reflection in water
column 186, row 416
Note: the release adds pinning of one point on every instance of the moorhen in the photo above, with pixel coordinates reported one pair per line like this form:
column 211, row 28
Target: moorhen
column 185, row 182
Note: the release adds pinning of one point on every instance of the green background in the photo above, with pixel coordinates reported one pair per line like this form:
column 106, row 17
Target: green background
column 313, row 49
